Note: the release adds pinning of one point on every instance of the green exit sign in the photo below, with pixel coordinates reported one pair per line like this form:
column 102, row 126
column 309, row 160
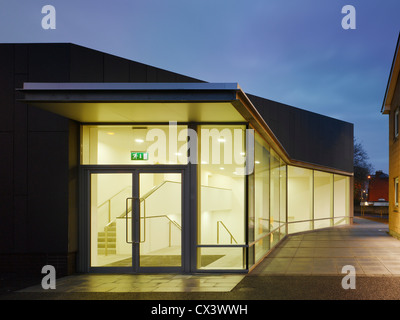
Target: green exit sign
column 139, row 155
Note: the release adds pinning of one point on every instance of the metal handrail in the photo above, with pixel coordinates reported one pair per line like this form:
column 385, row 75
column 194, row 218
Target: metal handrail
column 110, row 222
column 165, row 216
column 149, row 193
column 171, row 222
column 128, row 187
column 232, row 237
column 109, row 204
column 142, row 199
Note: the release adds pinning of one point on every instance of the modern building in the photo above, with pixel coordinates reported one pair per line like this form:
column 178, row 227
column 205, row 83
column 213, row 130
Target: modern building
column 109, row 165
column 391, row 106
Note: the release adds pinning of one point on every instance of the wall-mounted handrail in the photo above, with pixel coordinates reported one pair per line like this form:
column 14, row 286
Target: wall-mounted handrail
column 165, row 216
column 170, row 222
column 232, row 237
column 149, row 193
column 108, row 200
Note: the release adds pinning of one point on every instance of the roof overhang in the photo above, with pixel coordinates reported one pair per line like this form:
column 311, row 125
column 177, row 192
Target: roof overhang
column 135, row 102
column 392, row 82
column 150, row 103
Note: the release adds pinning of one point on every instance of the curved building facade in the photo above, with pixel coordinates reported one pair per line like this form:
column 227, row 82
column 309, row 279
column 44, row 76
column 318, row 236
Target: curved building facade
column 115, row 166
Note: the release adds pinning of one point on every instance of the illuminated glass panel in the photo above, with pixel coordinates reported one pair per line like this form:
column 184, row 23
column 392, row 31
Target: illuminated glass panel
column 300, row 194
column 323, row 199
column 221, row 214
column 341, row 195
column 134, row 144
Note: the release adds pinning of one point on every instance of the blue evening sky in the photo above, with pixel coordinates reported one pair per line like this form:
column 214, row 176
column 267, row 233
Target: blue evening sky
column 292, row 51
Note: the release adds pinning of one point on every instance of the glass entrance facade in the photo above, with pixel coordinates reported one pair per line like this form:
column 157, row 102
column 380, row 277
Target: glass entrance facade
column 246, row 197
column 121, row 220
column 252, row 170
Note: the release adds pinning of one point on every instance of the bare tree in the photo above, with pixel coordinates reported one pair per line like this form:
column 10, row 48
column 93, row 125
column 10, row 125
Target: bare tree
column 362, row 168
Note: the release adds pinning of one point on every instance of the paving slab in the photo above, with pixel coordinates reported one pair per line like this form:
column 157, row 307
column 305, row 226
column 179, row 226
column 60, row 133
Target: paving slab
column 296, row 269
column 366, row 245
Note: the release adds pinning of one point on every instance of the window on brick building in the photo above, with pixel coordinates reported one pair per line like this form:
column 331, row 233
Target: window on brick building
column 396, row 123
column 396, row 192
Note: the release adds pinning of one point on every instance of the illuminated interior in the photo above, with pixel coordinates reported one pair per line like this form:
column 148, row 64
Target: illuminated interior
column 221, row 205
column 111, row 220
column 113, row 144
column 190, row 177
column 241, row 215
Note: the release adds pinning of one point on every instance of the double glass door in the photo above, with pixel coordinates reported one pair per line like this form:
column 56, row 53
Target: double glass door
column 136, row 219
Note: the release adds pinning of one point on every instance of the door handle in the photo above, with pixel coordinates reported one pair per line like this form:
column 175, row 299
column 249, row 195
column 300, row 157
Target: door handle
column 126, row 219
column 133, row 217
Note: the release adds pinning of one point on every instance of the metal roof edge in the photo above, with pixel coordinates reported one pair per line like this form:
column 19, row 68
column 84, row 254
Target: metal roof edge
column 37, row 86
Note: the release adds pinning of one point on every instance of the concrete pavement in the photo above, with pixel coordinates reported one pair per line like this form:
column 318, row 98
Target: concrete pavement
column 365, row 245
column 304, row 266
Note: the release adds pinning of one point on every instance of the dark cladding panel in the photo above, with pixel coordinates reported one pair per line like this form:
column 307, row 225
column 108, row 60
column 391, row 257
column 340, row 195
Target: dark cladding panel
column 49, row 63
column 7, row 87
column 6, row 164
column 116, row 69
column 301, row 140
column 182, row 78
column 73, row 183
column 7, row 224
column 40, row 120
column 138, row 72
column 285, row 135
column 307, row 136
column 20, row 140
column 86, row 65
column 165, row 76
column 48, row 192
column 151, row 74
column 20, row 223
column 21, row 59
column 19, row 149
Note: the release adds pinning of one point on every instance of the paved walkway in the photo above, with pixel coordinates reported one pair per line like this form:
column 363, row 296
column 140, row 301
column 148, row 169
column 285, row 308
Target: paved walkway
column 320, row 254
column 143, row 283
column 365, row 245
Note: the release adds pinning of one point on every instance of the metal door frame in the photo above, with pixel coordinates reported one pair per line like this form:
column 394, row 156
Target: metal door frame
column 84, row 251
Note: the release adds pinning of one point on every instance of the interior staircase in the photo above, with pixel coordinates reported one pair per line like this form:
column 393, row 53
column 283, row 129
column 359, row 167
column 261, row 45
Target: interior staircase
column 111, row 240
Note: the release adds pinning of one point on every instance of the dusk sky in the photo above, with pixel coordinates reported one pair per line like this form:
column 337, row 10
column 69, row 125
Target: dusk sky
column 291, row 51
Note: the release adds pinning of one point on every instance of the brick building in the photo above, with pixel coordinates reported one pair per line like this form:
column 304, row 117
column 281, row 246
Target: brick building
column 378, row 187
column 391, row 106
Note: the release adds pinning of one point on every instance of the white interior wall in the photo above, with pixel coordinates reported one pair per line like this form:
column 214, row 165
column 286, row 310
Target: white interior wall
column 299, row 194
column 341, row 196
column 323, row 195
column 328, row 203
column 222, row 199
column 113, row 144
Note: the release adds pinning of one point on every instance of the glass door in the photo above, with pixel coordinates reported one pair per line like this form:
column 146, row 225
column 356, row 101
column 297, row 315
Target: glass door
column 136, row 220
column 160, row 234
column 111, row 219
